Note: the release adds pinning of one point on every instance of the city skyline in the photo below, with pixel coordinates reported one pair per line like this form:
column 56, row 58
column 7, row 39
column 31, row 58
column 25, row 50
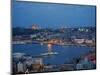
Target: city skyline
column 52, row 15
column 51, row 37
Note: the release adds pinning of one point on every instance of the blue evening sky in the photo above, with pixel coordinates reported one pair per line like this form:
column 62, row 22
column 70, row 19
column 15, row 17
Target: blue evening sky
column 24, row 14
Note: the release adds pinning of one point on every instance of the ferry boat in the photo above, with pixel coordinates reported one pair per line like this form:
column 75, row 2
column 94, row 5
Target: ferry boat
column 49, row 53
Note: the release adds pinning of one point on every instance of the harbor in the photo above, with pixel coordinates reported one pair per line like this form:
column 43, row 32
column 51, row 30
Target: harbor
column 51, row 57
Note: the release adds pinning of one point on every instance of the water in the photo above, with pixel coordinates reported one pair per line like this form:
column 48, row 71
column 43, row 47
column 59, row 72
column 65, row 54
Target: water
column 65, row 53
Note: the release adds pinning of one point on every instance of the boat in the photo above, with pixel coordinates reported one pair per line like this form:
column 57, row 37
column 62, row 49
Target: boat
column 49, row 53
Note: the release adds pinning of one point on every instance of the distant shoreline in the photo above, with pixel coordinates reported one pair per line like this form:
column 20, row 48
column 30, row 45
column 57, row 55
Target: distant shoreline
column 43, row 43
